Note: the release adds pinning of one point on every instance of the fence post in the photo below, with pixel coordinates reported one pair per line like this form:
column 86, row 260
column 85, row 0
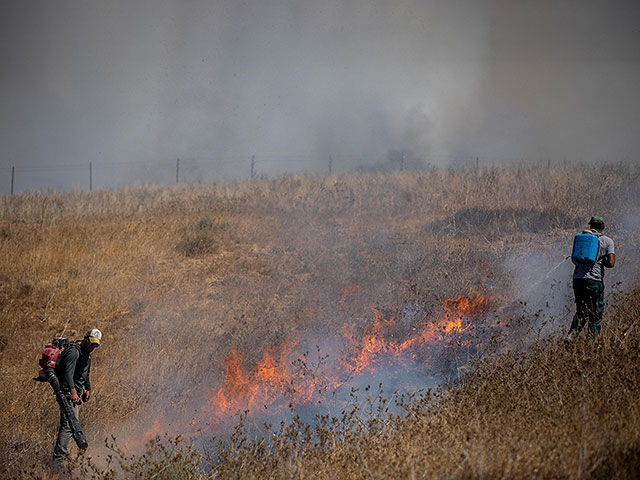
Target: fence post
column 477, row 163
column 402, row 162
column 177, row 170
column 253, row 160
column 90, row 177
column 330, row 164
column 549, row 164
column 13, row 170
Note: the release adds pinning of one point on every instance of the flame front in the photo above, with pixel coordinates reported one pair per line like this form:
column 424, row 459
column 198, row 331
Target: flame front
column 282, row 377
column 276, row 381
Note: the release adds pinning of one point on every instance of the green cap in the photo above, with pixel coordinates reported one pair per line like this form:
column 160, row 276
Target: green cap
column 597, row 222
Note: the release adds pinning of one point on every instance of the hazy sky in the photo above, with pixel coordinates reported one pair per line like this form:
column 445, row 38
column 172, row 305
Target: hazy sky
column 120, row 82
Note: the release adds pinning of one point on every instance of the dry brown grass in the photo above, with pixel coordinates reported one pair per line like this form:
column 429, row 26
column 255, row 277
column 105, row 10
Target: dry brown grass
column 286, row 259
column 555, row 411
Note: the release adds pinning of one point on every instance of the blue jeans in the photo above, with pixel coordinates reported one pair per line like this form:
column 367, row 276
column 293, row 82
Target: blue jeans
column 64, row 435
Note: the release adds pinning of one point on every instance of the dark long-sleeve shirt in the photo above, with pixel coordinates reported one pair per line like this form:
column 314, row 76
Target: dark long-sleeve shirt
column 73, row 369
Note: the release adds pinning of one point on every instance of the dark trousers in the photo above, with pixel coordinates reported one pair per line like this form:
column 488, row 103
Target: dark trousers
column 589, row 305
column 64, row 435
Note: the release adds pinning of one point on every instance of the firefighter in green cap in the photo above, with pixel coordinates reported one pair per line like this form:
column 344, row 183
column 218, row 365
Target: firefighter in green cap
column 588, row 285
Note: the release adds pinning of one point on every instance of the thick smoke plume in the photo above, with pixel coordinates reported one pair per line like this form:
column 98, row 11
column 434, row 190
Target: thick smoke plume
column 124, row 83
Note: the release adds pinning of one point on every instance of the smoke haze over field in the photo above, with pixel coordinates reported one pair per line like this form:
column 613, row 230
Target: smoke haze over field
column 293, row 82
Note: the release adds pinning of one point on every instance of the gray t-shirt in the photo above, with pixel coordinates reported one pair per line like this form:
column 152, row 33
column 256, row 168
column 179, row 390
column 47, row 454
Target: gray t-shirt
column 595, row 271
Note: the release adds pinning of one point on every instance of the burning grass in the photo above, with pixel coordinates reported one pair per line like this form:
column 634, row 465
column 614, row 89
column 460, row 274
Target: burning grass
column 314, row 286
column 555, row 410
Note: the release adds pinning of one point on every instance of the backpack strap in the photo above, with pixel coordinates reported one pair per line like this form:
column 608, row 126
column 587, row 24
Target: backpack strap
column 72, row 344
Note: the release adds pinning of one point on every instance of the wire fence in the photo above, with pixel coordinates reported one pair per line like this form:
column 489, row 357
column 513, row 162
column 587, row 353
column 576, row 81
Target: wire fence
column 116, row 174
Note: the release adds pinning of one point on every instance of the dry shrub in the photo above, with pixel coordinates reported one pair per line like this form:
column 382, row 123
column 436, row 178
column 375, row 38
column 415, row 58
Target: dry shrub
column 202, row 237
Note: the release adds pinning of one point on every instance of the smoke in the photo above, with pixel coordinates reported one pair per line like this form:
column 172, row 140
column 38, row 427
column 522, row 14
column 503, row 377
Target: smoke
column 541, row 289
column 560, row 82
column 150, row 81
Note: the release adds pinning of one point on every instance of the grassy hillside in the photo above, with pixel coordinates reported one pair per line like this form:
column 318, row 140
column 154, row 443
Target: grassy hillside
column 179, row 278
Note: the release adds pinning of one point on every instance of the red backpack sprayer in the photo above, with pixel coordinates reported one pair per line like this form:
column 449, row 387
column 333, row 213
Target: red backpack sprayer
column 50, row 355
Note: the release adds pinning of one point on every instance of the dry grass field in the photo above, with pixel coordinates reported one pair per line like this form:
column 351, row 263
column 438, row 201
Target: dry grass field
column 203, row 291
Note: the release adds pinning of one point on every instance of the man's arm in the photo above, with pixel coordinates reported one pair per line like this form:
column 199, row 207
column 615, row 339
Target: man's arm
column 70, row 368
column 71, row 355
column 610, row 260
column 71, row 358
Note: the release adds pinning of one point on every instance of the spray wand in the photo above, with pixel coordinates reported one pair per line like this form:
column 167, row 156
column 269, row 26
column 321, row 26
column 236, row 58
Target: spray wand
column 531, row 287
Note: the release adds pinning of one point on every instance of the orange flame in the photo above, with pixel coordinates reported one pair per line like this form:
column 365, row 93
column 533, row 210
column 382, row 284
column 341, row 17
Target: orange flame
column 375, row 347
column 276, row 377
column 278, row 380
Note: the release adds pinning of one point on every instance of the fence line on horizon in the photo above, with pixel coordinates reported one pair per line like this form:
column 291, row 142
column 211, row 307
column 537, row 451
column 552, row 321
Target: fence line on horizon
column 65, row 177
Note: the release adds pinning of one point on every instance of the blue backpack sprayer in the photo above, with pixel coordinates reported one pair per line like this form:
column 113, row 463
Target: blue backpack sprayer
column 585, row 247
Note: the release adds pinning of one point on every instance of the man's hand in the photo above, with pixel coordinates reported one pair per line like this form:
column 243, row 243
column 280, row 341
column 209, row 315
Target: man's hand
column 75, row 399
column 86, row 395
